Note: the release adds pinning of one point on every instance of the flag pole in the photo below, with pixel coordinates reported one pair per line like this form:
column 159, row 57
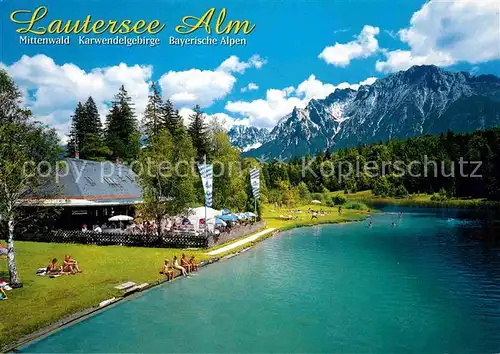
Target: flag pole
column 206, row 221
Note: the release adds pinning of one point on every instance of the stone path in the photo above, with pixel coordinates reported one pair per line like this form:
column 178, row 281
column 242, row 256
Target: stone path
column 241, row 242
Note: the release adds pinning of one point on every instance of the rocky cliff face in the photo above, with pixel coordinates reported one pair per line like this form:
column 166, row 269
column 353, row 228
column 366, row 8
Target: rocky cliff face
column 247, row 138
column 421, row 100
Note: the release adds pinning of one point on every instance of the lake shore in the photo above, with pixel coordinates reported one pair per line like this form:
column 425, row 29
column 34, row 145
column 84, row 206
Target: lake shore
column 83, row 292
column 420, row 201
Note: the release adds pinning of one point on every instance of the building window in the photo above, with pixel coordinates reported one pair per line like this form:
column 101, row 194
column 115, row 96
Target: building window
column 90, row 181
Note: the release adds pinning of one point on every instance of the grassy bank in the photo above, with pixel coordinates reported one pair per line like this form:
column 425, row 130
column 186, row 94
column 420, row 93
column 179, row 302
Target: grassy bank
column 43, row 301
column 273, row 219
column 419, row 200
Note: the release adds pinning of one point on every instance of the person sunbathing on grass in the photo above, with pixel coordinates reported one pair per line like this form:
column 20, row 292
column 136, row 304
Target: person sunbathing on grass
column 3, row 295
column 166, row 270
column 3, row 250
column 52, row 268
column 185, row 263
column 70, row 265
column 194, row 265
column 178, row 267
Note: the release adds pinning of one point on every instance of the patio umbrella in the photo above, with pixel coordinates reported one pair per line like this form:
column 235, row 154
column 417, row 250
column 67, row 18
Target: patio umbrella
column 315, row 201
column 249, row 214
column 121, row 218
column 220, row 222
column 228, row 217
column 226, row 211
column 241, row 216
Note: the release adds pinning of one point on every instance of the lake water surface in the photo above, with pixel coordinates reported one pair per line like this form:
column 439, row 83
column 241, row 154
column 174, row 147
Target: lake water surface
column 430, row 284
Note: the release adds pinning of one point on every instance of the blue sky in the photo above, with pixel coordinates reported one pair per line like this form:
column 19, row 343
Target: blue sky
column 335, row 41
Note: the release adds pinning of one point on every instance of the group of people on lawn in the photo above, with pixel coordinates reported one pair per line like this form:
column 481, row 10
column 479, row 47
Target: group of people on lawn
column 185, row 267
column 69, row 266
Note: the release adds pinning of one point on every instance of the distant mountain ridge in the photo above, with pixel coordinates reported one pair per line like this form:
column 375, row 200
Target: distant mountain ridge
column 421, row 100
column 246, row 138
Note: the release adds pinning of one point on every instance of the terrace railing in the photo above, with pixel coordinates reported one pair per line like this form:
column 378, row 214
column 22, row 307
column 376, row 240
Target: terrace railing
column 167, row 240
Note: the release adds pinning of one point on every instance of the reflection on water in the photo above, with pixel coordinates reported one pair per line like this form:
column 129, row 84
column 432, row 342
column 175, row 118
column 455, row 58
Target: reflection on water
column 430, row 284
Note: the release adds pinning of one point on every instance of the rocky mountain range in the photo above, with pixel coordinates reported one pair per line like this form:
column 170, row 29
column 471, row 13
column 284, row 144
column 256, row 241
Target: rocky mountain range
column 247, row 138
column 421, row 100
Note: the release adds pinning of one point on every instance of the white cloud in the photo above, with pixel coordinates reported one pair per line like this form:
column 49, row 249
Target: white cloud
column 223, row 118
column 447, row 32
column 52, row 90
column 278, row 103
column 363, row 46
column 233, row 64
column 250, row 87
column 204, row 87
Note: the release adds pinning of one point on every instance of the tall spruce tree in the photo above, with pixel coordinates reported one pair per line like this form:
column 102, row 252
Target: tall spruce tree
column 154, row 115
column 173, row 120
column 86, row 134
column 122, row 135
column 76, row 134
column 94, row 147
column 199, row 135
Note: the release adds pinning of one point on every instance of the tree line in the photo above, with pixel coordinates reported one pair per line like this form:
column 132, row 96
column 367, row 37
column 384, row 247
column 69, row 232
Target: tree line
column 449, row 165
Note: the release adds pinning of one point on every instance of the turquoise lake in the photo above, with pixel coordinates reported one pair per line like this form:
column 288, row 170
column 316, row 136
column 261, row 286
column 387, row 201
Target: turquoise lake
column 431, row 284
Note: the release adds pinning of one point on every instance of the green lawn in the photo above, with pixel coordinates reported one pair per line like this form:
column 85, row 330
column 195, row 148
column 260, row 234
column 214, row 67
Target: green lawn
column 272, row 216
column 43, row 301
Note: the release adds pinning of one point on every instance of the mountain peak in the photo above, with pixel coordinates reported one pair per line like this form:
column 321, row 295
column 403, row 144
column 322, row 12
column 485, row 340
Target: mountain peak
column 246, row 138
column 424, row 99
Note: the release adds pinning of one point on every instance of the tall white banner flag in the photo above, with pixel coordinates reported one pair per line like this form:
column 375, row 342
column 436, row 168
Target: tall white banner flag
column 207, row 177
column 255, row 182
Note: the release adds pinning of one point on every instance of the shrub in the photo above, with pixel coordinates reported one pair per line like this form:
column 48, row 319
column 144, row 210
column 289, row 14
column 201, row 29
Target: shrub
column 439, row 198
column 382, row 187
column 356, row 206
column 401, row 192
column 318, row 196
column 339, row 200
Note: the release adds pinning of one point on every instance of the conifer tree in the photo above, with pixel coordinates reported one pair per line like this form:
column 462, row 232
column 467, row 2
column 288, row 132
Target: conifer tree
column 122, row 136
column 173, row 120
column 153, row 119
column 199, row 135
column 86, row 134
column 76, row 138
column 94, row 147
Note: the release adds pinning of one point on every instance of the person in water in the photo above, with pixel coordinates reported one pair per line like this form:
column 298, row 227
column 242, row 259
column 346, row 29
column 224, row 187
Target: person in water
column 393, row 224
column 52, row 268
column 178, row 267
column 400, row 214
column 167, row 270
column 370, row 223
column 194, row 265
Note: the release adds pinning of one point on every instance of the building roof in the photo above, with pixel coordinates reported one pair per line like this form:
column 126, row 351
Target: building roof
column 85, row 182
